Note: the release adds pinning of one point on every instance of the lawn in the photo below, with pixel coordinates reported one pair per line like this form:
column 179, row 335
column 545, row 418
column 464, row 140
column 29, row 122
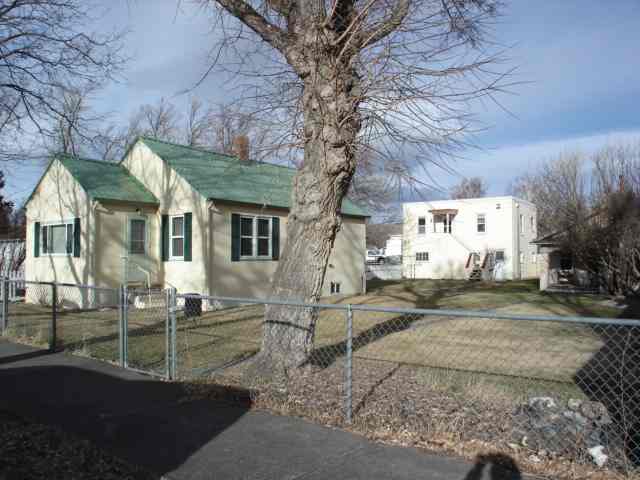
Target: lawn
column 535, row 350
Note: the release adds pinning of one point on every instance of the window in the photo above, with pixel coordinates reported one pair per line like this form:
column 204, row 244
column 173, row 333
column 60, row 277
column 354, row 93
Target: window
column 422, row 225
column 57, row 238
column 521, row 225
column 422, row 256
column 499, row 255
column 498, row 206
column 137, row 236
column 177, row 237
column 335, row 287
column 255, row 237
column 532, row 224
column 482, row 223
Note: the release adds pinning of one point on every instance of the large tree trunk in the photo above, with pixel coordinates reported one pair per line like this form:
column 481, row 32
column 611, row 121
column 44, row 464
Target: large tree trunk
column 331, row 123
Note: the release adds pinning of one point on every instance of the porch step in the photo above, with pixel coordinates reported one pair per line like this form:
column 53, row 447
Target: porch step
column 476, row 274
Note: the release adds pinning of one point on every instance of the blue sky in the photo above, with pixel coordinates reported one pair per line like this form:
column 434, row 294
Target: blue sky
column 577, row 60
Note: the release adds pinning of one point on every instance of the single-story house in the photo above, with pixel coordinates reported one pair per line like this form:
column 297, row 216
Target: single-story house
column 558, row 269
column 172, row 215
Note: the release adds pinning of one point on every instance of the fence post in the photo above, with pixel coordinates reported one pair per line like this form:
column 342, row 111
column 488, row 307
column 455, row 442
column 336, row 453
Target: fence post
column 53, row 334
column 3, row 315
column 349, row 367
column 167, row 331
column 173, row 351
column 124, row 327
column 121, row 325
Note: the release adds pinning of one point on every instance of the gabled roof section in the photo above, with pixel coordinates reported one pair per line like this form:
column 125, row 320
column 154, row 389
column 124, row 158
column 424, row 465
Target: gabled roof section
column 103, row 180
column 223, row 177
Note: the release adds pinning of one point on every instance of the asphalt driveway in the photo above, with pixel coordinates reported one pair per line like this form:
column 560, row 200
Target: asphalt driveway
column 153, row 424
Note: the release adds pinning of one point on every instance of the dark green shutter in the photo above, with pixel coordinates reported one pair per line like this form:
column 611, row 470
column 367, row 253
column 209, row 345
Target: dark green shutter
column 164, row 238
column 187, row 236
column 235, row 237
column 275, row 238
column 76, row 237
column 36, row 239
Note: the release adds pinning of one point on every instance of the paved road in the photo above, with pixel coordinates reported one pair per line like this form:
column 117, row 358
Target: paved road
column 151, row 424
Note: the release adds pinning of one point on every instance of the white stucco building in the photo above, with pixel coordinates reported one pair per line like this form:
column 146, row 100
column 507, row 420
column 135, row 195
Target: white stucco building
column 477, row 237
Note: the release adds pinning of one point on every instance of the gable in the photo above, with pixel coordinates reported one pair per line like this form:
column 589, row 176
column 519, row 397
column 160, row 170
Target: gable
column 101, row 180
column 222, row 177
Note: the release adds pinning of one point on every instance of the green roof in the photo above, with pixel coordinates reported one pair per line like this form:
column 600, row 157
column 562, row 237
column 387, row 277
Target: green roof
column 223, row 177
column 106, row 180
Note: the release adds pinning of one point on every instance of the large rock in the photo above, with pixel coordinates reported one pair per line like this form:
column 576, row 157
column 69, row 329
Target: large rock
column 568, row 429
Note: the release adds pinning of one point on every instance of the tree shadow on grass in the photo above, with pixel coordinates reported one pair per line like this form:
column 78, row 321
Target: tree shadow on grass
column 326, row 355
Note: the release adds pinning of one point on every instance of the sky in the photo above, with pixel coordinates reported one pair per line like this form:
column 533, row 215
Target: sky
column 577, row 74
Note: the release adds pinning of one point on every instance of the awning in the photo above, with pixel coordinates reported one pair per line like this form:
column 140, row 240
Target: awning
column 444, row 211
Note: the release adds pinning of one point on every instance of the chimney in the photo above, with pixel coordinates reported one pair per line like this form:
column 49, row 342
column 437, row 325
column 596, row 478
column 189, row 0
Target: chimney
column 240, row 147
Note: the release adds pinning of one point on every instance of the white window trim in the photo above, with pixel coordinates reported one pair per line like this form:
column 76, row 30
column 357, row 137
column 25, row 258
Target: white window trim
column 54, row 223
column 254, row 237
column 146, row 234
column 172, row 236
column 484, row 216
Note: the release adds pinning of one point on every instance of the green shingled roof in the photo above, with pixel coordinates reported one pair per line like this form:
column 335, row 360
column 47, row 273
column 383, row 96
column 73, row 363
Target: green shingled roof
column 223, row 177
column 106, row 181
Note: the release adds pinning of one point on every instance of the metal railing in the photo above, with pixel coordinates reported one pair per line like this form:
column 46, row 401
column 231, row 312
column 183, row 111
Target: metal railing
column 563, row 385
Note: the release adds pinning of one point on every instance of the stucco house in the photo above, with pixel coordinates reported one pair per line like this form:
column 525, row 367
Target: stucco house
column 171, row 215
column 474, row 238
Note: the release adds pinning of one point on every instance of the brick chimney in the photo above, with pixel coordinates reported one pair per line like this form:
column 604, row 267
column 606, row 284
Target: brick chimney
column 240, row 147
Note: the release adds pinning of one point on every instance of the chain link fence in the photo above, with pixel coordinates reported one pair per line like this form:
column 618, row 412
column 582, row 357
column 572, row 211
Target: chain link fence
column 560, row 387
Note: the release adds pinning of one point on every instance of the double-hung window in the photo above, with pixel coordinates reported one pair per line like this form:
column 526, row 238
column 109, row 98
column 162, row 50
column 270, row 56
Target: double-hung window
column 177, row 237
column 137, row 236
column 422, row 225
column 255, row 237
column 481, row 223
column 57, row 238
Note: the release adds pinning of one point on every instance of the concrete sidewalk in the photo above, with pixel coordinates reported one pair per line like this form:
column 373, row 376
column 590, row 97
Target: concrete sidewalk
column 151, row 424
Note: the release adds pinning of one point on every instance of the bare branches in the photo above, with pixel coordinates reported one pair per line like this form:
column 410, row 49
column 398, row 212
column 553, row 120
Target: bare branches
column 45, row 56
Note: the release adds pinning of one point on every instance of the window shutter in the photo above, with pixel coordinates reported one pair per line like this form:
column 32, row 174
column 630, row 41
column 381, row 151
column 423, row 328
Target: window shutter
column 235, row 237
column 164, row 238
column 187, row 236
column 36, row 239
column 275, row 238
column 76, row 237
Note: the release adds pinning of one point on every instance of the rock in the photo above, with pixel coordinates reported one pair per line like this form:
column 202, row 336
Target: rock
column 598, row 455
column 540, row 403
column 575, row 417
column 596, row 412
column 574, row 404
column 534, row 459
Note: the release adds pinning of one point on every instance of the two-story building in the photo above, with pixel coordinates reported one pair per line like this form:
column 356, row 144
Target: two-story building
column 476, row 238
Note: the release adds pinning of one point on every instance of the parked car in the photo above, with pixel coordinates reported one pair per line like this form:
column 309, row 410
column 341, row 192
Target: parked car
column 375, row 256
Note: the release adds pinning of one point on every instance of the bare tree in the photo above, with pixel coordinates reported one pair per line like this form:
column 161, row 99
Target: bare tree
column 199, row 125
column 47, row 53
column 473, row 187
column 345, row 75
column 558, row 189
column 160, row 120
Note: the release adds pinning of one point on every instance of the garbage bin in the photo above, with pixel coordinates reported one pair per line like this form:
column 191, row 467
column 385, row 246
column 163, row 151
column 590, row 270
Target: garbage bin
column 192, row 305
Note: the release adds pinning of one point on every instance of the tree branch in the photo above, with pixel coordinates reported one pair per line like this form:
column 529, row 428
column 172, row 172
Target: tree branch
column 256, row 22
column 385, row 27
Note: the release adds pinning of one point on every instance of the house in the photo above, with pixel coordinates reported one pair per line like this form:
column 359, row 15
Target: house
column 558, row 269
column 475, row 238
column 174, row 216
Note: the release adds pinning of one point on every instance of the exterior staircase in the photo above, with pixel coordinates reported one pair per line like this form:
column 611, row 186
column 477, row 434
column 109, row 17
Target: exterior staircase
column 475, row 274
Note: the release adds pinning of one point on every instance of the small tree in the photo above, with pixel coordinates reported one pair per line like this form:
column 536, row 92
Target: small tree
column 473, row 187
